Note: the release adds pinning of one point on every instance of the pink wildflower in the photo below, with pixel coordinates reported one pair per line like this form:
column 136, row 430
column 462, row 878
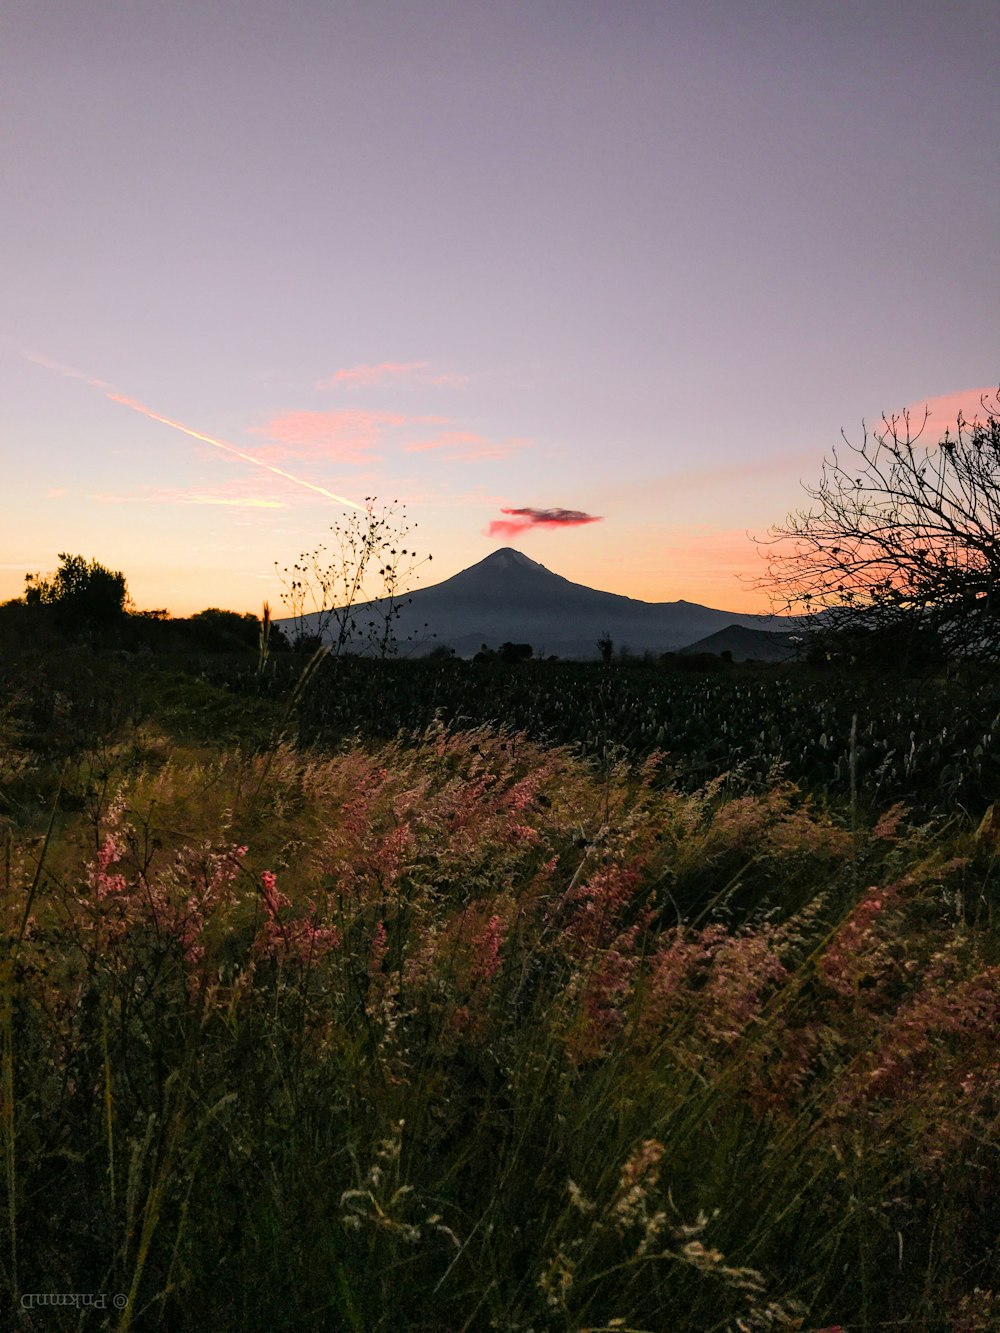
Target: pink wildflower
column 858, row 950
column 968, row 1014
column 887, row 828
column 486, row 950
column 390, row 854
column 607, row 983
column 301, row 937
column 673, row 959
column 523, row 793
column 380, row 947
column 602, row 899
column 274, row 899
column 743, row 967
column 109, row 853
column 524, row 833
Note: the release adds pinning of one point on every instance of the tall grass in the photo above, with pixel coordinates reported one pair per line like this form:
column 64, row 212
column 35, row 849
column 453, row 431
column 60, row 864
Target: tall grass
column 461, row 1034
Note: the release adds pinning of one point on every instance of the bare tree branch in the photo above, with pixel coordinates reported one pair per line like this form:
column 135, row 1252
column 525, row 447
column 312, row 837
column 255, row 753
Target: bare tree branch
column 900, row 537
column 362, row 575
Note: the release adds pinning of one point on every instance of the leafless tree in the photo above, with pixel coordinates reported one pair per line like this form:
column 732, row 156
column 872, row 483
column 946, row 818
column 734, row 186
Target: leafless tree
column 900, row 539
column 350, row 594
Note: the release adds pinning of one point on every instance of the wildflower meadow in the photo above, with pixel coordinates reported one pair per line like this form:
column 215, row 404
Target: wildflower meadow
column 463, row 1031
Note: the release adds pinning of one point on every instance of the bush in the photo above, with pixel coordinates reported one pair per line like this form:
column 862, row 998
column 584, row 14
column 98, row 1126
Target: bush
column 85, row 594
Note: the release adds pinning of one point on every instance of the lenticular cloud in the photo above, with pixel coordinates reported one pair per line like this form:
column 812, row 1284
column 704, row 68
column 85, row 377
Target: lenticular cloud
column 522, row 519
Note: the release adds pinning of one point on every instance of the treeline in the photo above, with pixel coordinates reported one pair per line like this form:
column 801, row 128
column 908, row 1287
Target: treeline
column 85, row 602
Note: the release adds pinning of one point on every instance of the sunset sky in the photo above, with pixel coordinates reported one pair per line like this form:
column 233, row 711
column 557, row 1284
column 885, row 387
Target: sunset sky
column 598, row 279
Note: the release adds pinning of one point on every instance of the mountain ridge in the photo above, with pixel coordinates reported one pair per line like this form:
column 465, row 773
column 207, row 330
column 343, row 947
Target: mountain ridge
column 508, row 596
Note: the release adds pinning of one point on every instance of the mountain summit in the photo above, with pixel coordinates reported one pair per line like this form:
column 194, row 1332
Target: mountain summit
column 503, row 571
column 506, row 558
column 507, row 596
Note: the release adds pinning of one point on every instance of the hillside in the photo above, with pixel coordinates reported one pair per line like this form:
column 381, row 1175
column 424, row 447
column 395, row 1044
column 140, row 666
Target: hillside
column 747, row 645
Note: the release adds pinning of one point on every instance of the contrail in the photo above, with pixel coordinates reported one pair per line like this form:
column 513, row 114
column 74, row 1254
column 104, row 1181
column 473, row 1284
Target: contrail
column 229, row 448
column 141, row 408
column 67, row 371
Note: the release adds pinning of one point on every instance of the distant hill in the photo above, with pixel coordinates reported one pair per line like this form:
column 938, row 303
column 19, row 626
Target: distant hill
column 506, row 596
column 748, row 645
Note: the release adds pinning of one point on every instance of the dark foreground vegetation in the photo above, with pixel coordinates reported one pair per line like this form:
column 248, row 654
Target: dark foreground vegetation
column 441, row 996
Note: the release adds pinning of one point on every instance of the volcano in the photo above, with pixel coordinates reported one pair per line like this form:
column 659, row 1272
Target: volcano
column 508, row 597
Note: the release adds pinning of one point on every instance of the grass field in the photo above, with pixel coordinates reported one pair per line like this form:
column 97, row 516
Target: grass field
column 463, row 1028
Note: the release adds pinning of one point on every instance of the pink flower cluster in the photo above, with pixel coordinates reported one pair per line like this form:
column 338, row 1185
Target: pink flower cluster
column 721, row 979
column 302, row 938
column 862, row 950
column 173, row 903
column 486, row 949
column 965, row 1018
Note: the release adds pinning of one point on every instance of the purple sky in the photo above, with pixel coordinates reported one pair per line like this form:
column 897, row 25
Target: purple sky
column 635, row 261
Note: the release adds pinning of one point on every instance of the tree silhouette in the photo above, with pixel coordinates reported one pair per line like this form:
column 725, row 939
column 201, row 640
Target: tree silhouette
column 515, row 652
column 900, row 542
column 85, row 594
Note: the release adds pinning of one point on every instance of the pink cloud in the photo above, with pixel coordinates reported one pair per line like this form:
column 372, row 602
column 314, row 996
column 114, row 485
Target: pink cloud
column 479, row 453
column 350, row 436
column 466, row 446
column 56, row 493
column 446, row 440
column 365, row 376
column 523, row 519
column 345, row 436
column 387, row 372
column 943, row 411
